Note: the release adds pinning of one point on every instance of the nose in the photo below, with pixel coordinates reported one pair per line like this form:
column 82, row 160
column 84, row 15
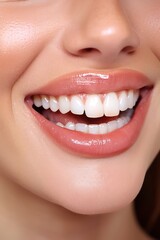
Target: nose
column 100, row 30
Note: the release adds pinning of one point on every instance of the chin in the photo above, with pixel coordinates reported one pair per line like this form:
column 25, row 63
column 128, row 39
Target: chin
column 98, row 197
column 98, row 203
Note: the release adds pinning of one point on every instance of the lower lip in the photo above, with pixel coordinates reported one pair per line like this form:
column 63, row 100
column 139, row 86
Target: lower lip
column 97, row 146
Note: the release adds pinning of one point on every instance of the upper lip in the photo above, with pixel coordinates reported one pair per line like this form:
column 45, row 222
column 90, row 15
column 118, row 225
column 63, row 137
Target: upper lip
column 94, row 82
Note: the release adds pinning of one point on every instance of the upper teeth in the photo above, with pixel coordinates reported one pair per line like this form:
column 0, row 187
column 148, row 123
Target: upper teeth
column 94, row 105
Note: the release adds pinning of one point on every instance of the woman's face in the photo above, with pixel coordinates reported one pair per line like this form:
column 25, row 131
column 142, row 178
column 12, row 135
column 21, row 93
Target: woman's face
column 98, row 52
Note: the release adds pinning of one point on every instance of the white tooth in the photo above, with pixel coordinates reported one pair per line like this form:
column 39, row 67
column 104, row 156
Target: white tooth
column 113, row 125
column 59, row 124
column 64, row 104
column 103, row 128
column 127, row 119
column 45, row 102
column 81, row 127
column 93, row 106
column 111, row 105
column 53, row 104
column 120, row 122
column 77, row 106
column 130, row 99
column 123, row 121
column 93, row 128
column 37, row 101
column 70, row 126
column 123, row 101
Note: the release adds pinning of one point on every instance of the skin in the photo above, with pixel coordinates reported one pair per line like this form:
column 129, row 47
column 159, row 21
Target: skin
column 45, row 192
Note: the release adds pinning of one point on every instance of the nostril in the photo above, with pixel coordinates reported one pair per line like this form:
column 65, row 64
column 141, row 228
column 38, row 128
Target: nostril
column 88, row 50
column 129, row 50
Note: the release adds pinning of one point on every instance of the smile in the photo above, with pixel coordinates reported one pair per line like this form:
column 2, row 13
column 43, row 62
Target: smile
column 100, row 108
column 96, row 115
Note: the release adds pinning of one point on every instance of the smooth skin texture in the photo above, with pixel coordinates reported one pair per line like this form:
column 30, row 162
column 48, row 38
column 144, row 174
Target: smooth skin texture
column 45, row 192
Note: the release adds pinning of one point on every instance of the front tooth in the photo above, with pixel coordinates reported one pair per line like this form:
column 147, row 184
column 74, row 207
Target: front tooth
column 123, row 101
column 111, row 105
column 53, row 104
column 45, row 102
column 81, row 127
column 37, row 101
column 64, row 104
column 77, row 106
column 93, row 106
column 113, row 125
column 93, row 128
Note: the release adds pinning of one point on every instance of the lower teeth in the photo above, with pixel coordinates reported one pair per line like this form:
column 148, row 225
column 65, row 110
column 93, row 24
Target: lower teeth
column 102, row 128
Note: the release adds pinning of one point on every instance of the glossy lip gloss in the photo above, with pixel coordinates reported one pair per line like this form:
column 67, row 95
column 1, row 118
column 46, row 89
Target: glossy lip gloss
column 96, row 145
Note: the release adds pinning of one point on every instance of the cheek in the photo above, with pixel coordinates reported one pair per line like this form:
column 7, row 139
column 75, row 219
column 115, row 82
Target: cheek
column 154, row 34
column 150, row 28
column 18, row 46
column 145, row 19
column 24, row 32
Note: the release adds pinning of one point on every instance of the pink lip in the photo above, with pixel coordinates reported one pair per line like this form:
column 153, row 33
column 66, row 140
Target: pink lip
column 94, row 82
column 89, row 145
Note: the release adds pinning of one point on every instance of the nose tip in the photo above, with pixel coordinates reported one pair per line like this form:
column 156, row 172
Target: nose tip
column 108, row 43
column 115, row 40
column 101, row 34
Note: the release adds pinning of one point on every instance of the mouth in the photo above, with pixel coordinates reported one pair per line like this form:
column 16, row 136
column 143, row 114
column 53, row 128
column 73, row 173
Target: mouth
column 92, row 114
